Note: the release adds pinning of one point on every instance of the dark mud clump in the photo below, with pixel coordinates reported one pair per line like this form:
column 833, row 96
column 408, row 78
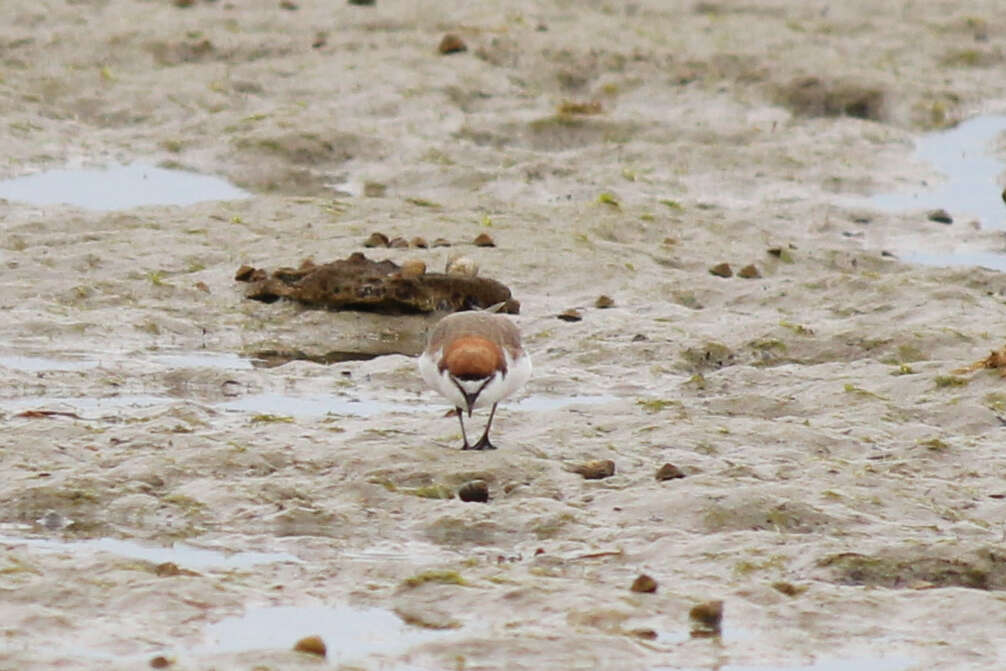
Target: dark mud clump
column 917, row 568
column 358, row 283
column 814, row 97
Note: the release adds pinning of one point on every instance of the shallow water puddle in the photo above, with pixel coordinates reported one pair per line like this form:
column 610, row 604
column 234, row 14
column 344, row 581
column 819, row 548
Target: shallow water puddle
column 347, row 632
column 972, row 190
column 183, row 555
column 963, row 154
column 118, row 187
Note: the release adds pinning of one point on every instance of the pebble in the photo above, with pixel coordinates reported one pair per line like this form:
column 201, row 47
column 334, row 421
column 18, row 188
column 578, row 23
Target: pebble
column 597, row 469
column 669, row 472
column 452, row 44
column 603, row 302
column 571, row 315
column 706, row 618
column 312, row 645
column 644, row 584
column 475, row 491
column 398, row 243
column 749, row 272
column 721, row 270
column 376, row 240
column 160, row 662
column 419, row 242
column 484, row 240
column 462, row 266
column 441, row 242
column 940, row 216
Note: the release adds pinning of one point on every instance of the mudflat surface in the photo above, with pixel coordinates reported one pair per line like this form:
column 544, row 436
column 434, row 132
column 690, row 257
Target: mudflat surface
column 843, row 491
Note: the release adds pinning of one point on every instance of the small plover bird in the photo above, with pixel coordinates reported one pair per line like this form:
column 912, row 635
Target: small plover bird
column 475, row 359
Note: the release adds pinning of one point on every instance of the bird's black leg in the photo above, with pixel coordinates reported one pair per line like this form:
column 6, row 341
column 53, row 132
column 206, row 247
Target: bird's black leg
column 464, row 436
column 484, row 443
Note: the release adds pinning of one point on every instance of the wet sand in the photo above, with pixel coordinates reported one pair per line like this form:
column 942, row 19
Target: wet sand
column 168, row 502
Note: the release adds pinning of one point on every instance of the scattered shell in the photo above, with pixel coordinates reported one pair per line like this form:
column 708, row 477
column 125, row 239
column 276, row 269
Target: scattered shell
column 374, row 189
column 645, row 584
column 312, row 645
column 160, row 662
column 398, row 243
column 721, row 270
column 413, row 268
column 604, row 302
column 571, row 315
column 441, row 242
column 597, row 469
column 419, row 242
column 376, row 240
column 452, row 44
column 484, row 240
column 669, row 472
column 475, row 491
column 940, row 216
column 706, row 618
column 749, row 272
column 463, row 266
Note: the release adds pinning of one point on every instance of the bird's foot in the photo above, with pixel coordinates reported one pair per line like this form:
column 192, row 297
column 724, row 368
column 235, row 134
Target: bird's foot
column 483, row 444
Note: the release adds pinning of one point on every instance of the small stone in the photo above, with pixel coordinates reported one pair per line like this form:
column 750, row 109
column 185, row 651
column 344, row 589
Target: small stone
column 374, row 189
column 202, row 286
column 749, row 272
column 244, row 273
column 462, row 266
column 376, row 240
column 363, row 3
column 288, row 5
column 484, row 240
column 669, row 472
column 639, row 337
column 160, row 662
column 940, row 216
column 451, row 44
column 721, row 270
column 788, row 588
column 644, row 584
column 419, row 242
column 597, row 469
column 170, row 569
column 706, row 618
column 645, row 633
column 603, row 302
column 571, row 315
column 313, row 645
column 476, row 491
column 413, row 268
column 320, row 40
column 441, row 242
column 398, row 243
